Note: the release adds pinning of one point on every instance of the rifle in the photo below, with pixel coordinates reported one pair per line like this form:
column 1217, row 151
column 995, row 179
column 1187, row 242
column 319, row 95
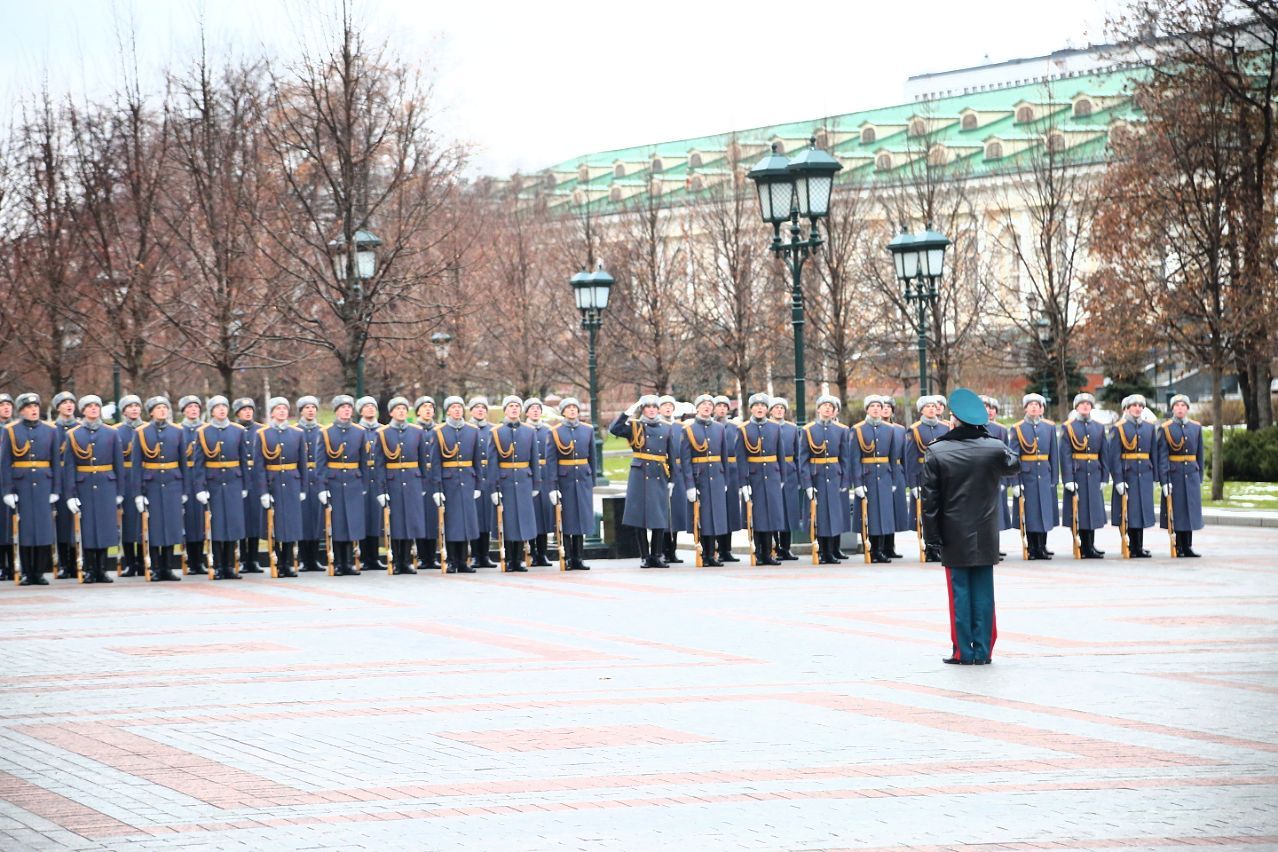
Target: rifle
column 1020, row 501
column 501, row 539
column 696, row 528
column 270, row 542
column 119, row 525
column 390, row 551
column 146, row 547
column 1127, row 550
column 328, row 537
column 1078, row 545
column 812, row 512
column 79, row 548
column 443, row 562
column 57, row 557
column 208, row 539
column 750, row 533
column 918, row 519
column 1171, row 524
column 559, row 534
column 17, row 552
column 865, row 528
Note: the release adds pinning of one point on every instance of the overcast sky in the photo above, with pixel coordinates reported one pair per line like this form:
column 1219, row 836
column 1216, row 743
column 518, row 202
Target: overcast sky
column 529, row 84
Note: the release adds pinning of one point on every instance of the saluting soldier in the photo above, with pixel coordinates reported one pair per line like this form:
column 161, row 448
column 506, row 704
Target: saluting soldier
column 705, row 475
column 458, row 473
column 64, row 411
column 192, row 410
column 825, row 473
column 1033, row 440
column 1083, row 469
column 680, row 509
column 649, row 485
column 130, row 408
column 514, row 471
column 6, row 514
column 872, row 481
column 369, row 546
column 160, row 475
column 308, row 549
column 795, row 515
column 901, row 492
column 1180, row 470
column 545, row 509
column 342, row 469
column 569, row 480
column 485, row 509
column 428, row 544
column 1130, row 457
column 92, row 476
column 254, row 515
column 401, row 461
column 28, row 479
column 222, row 483
column 731, row 440
column 280, row 478
column 761, row 472
column 922, row 432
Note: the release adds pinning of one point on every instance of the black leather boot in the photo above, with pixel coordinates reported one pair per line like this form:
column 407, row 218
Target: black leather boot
column 1086, row 548
column 672, row 548
column 35, row 560
column 763, row 549
column 578, row 545
column 879, row 549
column 540, row 548
column 515, row 557
column 99, row 563
column 66, row 562
column 725, row 548
column 481, row 556
column 657, row 548
column 836, row 548
column 784, row 553
column 1185, row 545
column 708, row 552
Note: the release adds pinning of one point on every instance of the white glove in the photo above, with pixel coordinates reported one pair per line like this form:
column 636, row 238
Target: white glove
column 243, row 493
column 266, row 501
column 1015, row 490
column 202, row 497
column 323, row 498
column 1121, row 488
column 141, row 503
column 301, row 496
column 745, row 493
column 916, row 492
column 11, row 500
column 893, row 489
column 439, row 498
column 119, row 500
column 1167, row 489
column 53, row 498
column 496, row 498
column 669, row 489
column 1071, row 487
column 535, row 493
column 633, row 411
column 477, row 493
column 860, row 491
column 692, row 495
column 73, row 503
column 383, row 499
column 554, row 498
column 183, row 499
column 811, row 493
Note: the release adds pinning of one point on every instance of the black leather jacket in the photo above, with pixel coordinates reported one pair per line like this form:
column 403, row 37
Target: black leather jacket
column 960, row 481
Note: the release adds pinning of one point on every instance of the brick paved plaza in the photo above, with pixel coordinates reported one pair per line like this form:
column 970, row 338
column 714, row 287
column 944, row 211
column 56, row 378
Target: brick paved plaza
column 1130, row 705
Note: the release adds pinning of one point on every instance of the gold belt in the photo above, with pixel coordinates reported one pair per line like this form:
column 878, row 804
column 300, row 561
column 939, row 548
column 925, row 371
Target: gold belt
column 1135, row 456
column 760, row 459
column 706, row 459
column 128, row 464
column 875, row 460
column 161, row 465
column 1086, row 456
column 311, row 465
column 93, row 468
column 732, row 459
column 1182, row 458
column 1039, row 457
column 513, row 465
column 344, row 465
column 825, row 460
column 789, row 458
column 571, row 462
column 31, row 464
column 221, row 465
column 458, row 463
column 400, row 465
column 650, row 457
column 276, row 468
column 190, row 464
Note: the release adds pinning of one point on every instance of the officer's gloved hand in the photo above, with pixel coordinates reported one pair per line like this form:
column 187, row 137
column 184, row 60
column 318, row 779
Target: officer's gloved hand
column 301, row 496
column 692, row 495
column 266, row 501
column 477, row 493
column 53, row 498
column 535, row 493
column 1015, row 491
column 916, row 492
column 496, row 498
column 184, row 499
column 383, row 499
column 669, row 489
column 811, row 493
column 1121, row 488
column 1166, row 489
column 243, row 493
column 633, row 411
column 554, row 498
column 323, row 498
column 11, row 500
column 893, row 489
column 745, row 493
column 860, row 491
column 202, row 497
column 141, row 503
column 1071, row 487
column 439, row 498
column 73, row 503
column 119, row 499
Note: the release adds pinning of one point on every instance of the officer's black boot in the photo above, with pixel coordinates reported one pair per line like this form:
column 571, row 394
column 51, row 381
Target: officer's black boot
column 128, row 551
column 169, row 571
column 579, row 551
column 248, row 556
column 836, row 549
column 316, row 559
column 725, row 548
column 34, row 561
column 515, row 557
column 890, row 547
column 708, row 552
column 425, row 555
column 66, row 562
column 879, row 549
column 1085, row 549
column 482, row 555
column 645, row 556
column 6, row 563
column 672, row 548
column 1186, row 548
column 539, row 551
column 657, row 548
column 284, row 564
column 228, row 560
column 784, row 553
column 100, row 573
column 1139, row 551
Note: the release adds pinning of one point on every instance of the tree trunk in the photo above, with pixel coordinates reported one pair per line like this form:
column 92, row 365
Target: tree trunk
column 1217, row 434
column 1246, row 377
column 227, row 372
column 1264, row 400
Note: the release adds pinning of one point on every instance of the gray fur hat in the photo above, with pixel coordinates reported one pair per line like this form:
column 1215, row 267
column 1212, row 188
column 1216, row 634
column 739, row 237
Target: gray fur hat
column 450, row 401
column 25, row 399
column 833, row 400
column 665, row 397
column 61, row 397
column 88, row 399
column 343, row 399
column 1033, row 397
column 1180, row 397
column 705, row 397
column 363, row 401
column 760, row 398
column 303, row 401
column 477, row 400
column 567, row 401
column 243, row 403
column 531, row 401
column 277, row 400
column 218, row 400
column 781, row 401
column 1134, row 399
column 127, row 400
column 649, row 399
column 156, row 400
column 422, row 400
column 508, row 399
column 1083, row 397
column 4, row 397
column 722, row 400
column 395, row 401
column 187, row 400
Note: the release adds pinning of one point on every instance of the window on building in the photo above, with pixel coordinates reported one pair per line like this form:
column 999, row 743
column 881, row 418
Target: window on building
column 578, row 197
column 969, row 121
column 1082, row 108
column 938, row 156
column 619, row 170
column 694, row 162
column 697, row 183
column 918, row 127
column 883, row 162
column 1024, row 114
column 993, row 150
column 656, row 165
column 1056, row 142
column 867, row 135
column 614, row 194
column 822, row 139
column 583, row 173
column 549, row 180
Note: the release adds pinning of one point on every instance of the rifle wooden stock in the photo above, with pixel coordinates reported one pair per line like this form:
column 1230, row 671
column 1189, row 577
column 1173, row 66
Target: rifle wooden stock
column 328, row 538
column 559, row 535
column 696, row 531
column 754, row 559
column 390, row 551
column 918, row 522
column 443, row 560
column 17, row 552
column 865, row 528
column 1020, row 501
column 1171, row 524
column 146, row 546
column 1127, row 550
column 208, row 540
column 270, row 543
column 119, row 525
column 1078, row 545
column 79, row 547
column 501, row 540
column 812, row 514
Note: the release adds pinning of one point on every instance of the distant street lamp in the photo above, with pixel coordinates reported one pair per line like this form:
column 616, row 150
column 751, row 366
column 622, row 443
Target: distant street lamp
column 442, row 341
column 355, row 270
column 1043, row 334
column 920, row 262
column 590, row 290
column 789, row 189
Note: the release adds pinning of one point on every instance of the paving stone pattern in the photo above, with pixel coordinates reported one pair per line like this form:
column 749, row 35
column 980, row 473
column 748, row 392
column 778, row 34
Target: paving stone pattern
column 1130, row 705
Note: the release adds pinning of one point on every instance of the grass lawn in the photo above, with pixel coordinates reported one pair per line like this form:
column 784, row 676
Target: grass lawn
column 1238, row 495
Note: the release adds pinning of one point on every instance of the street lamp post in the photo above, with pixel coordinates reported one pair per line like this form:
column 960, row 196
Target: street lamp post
column 441, row 340
column 355, row 268
column 591, row 290
column 1043, row 337
column 920, row 261
column 789, row 189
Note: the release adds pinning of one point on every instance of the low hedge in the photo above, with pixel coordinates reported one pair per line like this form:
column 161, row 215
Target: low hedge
column 1251, row 456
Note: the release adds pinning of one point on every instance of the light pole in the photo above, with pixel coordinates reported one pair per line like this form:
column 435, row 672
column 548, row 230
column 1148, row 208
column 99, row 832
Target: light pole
column 789, row 189
column 591, row 289
column 920, row 262
column 355, row 268
column 1043, row 336
column 441, row 340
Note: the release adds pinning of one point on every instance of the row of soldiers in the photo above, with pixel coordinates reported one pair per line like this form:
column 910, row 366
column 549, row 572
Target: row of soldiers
column 711, row 476
column 217, row 486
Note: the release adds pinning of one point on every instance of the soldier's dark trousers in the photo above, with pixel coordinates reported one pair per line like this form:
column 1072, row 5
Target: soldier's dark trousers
column 1185, row 545
column 248, row 556
column 1087, row 545
column 707, row 551
column 94, row 570
column 66, row 560
column 128, row 559
column 541, row 550
column 480, row 553
column 195, row 561
column 514, row 553
column 456, row 551
column 35, row 561
column 575, row 558
column 284, row 559
column 427, row 549
column 784, row 553
column 368, row 547
column 889, row 547
column 6, row 563
column 402, row 553
column 671, row 548
column 1136, row 544
column 725, row 548
column 224, row 560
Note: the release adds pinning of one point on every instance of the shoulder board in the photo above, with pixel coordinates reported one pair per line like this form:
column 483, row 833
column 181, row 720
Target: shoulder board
column 859, row 424
column 295, row 428
column 1049, row 422
column 916, row 423
column 471, row 425
column 1195, row 422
